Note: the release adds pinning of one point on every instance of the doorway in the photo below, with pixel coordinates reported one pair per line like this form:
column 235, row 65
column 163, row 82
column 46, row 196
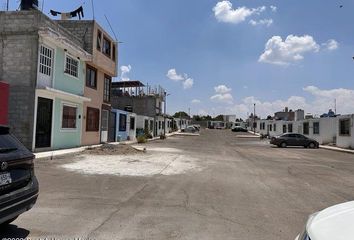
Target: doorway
column 44, row 123
column 112, row 127
column 104, row 126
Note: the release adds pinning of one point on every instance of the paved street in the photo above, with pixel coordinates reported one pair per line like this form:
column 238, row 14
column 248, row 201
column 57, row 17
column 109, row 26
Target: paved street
column 215, row 186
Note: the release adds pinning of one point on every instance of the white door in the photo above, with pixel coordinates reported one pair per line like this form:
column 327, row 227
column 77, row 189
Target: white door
column 45, row 66
column 104, row 126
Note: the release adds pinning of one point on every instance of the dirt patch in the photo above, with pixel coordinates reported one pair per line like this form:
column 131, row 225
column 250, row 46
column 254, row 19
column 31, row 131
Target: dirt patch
column 110, row 149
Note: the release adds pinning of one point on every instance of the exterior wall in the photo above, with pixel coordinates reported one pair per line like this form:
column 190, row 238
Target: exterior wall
column 4, row 101
column 346, row 141
column 65, row 138
column 328, row 129
column 182, row 123
column 121, row 135
column 145, row 106
column 96, row 96
column 65, row 82
column 140, row 123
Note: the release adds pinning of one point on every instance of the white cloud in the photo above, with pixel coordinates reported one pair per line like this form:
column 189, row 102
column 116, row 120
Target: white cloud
column 224, row 12
column 196, row 101
column 291, row 50
column 222, row 89
column 273, row 8
column 320, row 102
column 331, row 44
column 222, row 98
column 172, row 74
column 124, row 72
column 188, row 83
column 222, row 95
column 266, row 22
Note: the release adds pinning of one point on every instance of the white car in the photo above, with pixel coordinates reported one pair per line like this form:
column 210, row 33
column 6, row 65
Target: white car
column 335, row 222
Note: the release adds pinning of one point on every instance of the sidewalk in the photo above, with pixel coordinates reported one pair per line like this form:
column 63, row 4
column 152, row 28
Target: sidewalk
column 332, row 148
column 60, row 152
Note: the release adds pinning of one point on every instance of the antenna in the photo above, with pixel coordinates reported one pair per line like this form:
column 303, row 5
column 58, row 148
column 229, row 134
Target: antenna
column 111, row 28
column 93, row 10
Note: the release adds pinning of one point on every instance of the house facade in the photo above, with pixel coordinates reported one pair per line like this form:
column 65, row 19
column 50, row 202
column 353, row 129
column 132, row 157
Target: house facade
column 44, row 65
column 100, row 70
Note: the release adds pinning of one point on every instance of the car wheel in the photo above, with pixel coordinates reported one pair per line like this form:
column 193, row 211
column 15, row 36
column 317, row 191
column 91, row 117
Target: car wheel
column 5, row 224
column 283, row 145
column 312, row 145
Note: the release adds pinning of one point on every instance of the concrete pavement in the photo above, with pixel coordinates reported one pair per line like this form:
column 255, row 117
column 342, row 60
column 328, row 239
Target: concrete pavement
column 240, row 188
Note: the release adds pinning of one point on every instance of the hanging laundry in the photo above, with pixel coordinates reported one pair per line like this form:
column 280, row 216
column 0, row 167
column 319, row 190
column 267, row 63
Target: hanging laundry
column 68, row 15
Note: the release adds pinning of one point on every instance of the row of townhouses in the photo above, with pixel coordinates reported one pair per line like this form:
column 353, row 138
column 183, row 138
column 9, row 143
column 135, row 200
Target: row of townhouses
column 329, row 129
column 59, row 74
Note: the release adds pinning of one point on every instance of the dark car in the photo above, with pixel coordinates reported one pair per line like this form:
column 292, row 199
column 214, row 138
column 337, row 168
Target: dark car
column 294, row 139
column 18, row 184
column 239, row 129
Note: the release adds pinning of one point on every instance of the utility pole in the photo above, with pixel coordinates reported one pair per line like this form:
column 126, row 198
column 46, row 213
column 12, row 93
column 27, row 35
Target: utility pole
column 254, row 118
column 164, row 129
column 335, row 106
column 7, row 5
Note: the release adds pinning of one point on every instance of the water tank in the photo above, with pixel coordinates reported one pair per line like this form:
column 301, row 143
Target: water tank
column 29, row 4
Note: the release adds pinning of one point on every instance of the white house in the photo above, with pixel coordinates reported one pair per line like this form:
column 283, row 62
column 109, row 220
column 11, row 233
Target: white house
column 345, row 131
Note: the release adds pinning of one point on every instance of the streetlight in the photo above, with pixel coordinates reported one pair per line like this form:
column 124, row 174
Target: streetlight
column 164, row 129
column 254, row 118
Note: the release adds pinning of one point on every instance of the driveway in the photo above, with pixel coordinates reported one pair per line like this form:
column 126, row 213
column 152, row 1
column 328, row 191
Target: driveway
column 214, row 186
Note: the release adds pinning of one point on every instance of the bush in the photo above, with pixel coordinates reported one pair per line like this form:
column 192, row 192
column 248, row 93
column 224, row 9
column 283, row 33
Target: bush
column 141, row 139
column 162, row 136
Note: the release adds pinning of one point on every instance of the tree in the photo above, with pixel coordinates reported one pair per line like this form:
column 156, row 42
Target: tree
column 181, row 114
column 219, row 118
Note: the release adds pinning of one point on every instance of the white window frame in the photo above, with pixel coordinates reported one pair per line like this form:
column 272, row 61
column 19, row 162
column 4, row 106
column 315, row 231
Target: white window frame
column 67, row 104
column 67, row 55
column 51, row 67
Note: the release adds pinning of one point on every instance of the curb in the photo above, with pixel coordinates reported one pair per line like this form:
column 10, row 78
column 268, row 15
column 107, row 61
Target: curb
column 337, row 149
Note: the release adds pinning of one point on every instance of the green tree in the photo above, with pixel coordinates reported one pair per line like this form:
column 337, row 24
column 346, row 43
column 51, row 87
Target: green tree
column 180, row 114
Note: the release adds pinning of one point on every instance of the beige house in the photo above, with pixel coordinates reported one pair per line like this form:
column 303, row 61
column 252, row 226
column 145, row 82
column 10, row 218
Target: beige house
column 99, row 74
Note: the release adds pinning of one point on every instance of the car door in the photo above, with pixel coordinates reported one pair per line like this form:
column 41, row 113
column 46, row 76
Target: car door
column 301, row 140
column 291, row 139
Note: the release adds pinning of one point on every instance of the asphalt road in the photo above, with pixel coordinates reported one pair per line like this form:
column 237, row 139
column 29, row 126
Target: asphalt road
column 242, row 188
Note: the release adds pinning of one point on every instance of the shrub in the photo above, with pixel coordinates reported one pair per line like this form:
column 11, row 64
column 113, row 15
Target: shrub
column 141, row 139
column 162, row 136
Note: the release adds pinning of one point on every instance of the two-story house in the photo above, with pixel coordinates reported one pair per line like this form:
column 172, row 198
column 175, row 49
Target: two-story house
column 44, row 65
column 99, row 73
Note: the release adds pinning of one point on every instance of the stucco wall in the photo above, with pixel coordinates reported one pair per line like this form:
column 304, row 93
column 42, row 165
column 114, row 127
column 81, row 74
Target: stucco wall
column 346, row 141
column 66, row 138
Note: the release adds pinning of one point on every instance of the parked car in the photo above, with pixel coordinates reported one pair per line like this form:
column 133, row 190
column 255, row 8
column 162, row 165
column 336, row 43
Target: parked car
column 239, row 129
column 18, row 183
column 293, row 139
column 189, row 129
column 335, row 222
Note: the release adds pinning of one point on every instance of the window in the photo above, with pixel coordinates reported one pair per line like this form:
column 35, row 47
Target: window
column 45, row 60
column 290, row 127
column 122, row 122
column 69, row 117
column 91, row 77
column 132, row 123
column 316, row 128
column 271, row 127
column 284, row 128
column 92, row 119
column 275, row 127
column 159, row 124
column 344, row 127
column 99, row 40
column 71, row 66
column 114, row 52
column 146, row 124
column 107, row 89
column 306, row 128
column 106, row 47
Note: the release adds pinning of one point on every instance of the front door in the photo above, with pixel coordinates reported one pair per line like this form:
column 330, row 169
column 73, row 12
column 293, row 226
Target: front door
column 112, row 127
column 104, row 126
column 44, row 123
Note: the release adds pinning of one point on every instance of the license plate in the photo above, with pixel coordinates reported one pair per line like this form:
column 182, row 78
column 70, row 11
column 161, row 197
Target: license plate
column 5, row 178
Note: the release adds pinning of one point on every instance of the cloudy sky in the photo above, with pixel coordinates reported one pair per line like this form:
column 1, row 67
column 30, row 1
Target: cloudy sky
column 223, row 56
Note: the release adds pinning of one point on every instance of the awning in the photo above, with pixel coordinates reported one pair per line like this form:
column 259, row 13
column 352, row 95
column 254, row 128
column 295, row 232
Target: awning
column 63, row 95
